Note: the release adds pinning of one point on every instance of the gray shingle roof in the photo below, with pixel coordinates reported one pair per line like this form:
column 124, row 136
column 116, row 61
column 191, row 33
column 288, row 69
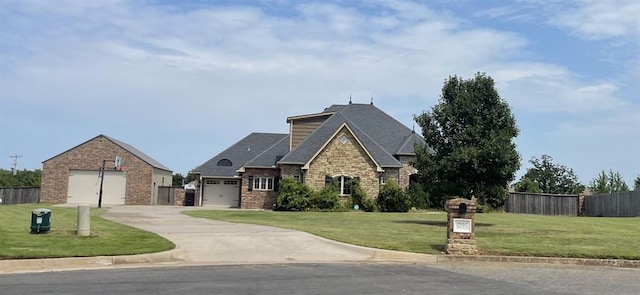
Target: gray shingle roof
column 380, row 134
column 255, row 148
column 139, row 154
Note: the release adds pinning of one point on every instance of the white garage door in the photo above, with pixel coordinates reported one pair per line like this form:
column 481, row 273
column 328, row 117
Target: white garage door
column 84, row 187
column 221, row 192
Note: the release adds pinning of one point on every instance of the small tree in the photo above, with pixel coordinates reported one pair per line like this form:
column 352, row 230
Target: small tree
column 178, row 180
column 553, row 178
column 418, row 196
column 359, row 197
column 392, row 198
column 526, row 185
column 608, row 183
column 636, row 183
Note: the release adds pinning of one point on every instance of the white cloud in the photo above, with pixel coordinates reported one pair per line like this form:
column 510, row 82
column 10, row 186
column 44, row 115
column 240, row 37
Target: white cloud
column 230, row 70
column 601, row 19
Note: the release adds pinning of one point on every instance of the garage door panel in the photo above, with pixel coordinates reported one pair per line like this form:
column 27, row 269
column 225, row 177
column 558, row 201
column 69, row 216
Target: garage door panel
column 84, row 187
column 221, row 192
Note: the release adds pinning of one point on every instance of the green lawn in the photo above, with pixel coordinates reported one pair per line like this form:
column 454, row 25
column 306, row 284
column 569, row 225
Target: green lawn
column 107, row 238
column 425, row 232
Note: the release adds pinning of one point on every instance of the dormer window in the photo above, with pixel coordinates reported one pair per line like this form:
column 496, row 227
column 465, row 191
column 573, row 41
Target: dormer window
column 224, row 162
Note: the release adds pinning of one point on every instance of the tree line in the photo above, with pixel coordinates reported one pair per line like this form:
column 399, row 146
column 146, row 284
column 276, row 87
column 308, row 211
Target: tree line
column 21, row 178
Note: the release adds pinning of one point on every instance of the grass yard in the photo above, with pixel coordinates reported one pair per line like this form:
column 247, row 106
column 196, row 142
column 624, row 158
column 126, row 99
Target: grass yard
column 107, row 238
column 425, row 232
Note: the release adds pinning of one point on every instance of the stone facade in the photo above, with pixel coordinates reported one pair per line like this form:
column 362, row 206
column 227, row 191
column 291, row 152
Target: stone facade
column 257, row 199
column 344, row 159
column 404, row 174
column 89, row 156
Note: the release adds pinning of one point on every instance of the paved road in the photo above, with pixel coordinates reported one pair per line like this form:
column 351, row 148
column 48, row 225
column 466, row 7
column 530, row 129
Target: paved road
column 273, row 279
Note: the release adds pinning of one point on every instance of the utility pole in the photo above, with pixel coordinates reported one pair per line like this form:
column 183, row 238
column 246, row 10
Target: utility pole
column 14, row 160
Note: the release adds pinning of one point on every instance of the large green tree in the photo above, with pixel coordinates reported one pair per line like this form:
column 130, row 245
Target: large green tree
column 610, row 182
column 469, row 147
column 552, row 178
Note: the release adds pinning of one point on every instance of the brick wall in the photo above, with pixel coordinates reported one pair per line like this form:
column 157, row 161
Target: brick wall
column 89, row 156
column 348, row 159
column 257, row 199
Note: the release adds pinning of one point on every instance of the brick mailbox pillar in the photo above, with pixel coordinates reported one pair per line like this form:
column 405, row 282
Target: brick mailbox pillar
column 461, row 227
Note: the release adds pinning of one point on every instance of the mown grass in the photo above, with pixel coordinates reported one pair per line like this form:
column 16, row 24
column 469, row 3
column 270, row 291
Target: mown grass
column 107, row 238
column 425, row 232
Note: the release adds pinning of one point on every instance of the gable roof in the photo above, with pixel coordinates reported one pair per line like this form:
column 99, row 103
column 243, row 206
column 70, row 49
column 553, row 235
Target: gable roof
column 129, row 148
column 259, row 149
column 380, row 134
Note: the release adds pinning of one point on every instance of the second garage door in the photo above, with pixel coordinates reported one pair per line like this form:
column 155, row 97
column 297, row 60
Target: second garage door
column 84, row 186
column 221, row 192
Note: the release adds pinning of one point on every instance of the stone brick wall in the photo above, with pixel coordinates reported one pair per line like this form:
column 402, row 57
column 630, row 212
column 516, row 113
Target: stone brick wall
column 257, row 199
column 290, row 171
column 89, row 156
column 348, row 159
column 406, row 171
column 178, row 197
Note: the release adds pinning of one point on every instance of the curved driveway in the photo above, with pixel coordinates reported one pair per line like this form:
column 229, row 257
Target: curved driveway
column 204, row 241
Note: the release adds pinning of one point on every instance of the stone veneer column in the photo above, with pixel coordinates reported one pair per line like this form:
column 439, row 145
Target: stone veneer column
column 461, row 227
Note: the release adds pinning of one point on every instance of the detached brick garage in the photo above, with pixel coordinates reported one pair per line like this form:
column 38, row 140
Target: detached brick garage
column 73, row 176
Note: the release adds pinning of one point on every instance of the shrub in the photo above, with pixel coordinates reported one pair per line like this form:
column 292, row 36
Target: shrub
column 393, row 199
column 418, row 196
column 359, row 197
column 293, row 196
column 326, row 199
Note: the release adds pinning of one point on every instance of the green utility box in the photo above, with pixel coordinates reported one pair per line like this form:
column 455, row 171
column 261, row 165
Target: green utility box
column 40, row 221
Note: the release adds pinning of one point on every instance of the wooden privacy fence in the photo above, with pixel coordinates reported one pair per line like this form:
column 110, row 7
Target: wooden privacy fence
column 620, row 204
column 166, row 195
column 542, row 204
column 19, row 195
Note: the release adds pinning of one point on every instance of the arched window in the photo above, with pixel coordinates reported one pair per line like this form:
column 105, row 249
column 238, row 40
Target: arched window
column 224, row 162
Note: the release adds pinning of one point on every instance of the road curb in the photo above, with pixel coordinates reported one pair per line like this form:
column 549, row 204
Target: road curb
column 621, row 263
column 74, row 263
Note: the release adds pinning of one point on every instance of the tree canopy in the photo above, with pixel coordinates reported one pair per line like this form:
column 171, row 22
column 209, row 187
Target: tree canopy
column 611, row 182
column 22, row 178
column 469, row 147
column 552, row 178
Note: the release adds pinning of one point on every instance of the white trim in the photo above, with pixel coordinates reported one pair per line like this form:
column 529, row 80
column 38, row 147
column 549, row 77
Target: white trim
column 344, row 125
column 262, row 183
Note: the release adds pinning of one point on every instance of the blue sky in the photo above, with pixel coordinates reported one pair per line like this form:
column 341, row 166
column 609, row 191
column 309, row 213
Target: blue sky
column 183, row 80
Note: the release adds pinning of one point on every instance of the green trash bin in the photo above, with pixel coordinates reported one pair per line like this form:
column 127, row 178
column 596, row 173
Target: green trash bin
column 40, row 221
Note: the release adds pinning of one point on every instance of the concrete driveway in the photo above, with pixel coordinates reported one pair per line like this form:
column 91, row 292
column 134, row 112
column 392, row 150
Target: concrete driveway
column 204, row 241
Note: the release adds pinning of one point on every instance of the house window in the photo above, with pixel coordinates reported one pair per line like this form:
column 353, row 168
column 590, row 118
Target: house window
column 231, row 182
column 343, row 183
column 211, row 181
column 297, row 178
column 263, row 183
column 224, row 162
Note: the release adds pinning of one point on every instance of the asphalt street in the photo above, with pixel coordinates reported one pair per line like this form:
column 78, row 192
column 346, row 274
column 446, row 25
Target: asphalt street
column 353, row 278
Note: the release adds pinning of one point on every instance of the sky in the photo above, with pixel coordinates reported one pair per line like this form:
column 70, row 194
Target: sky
column 183, row 80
